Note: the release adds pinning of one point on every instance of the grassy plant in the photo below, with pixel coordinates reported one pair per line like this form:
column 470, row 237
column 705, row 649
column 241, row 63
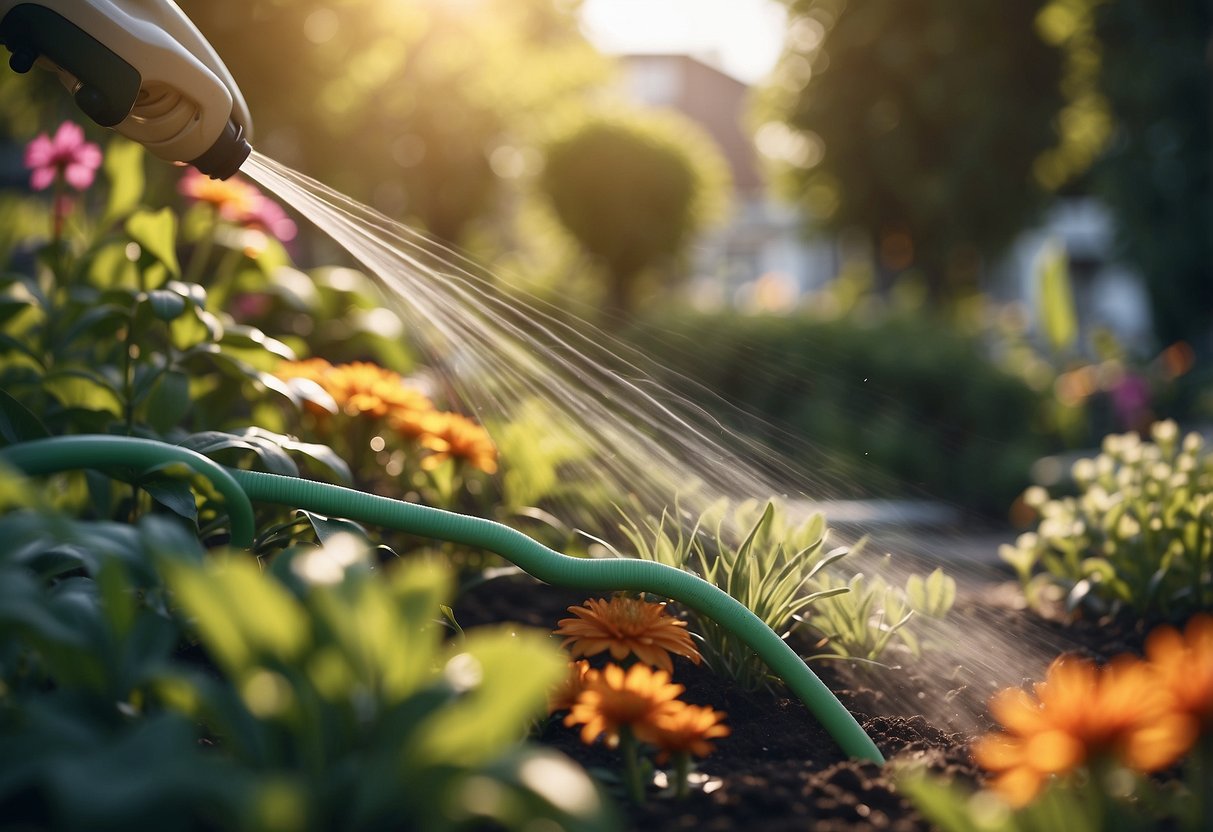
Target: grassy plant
column 874, row 615
column 773, row 572
column 1138, row 536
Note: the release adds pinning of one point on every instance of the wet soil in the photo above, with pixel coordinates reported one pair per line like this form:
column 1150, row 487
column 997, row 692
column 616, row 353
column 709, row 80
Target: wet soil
column 778, row 769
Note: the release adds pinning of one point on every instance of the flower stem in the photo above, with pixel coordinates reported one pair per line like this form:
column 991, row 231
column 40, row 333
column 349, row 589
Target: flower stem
column 1200, row 785
column 631, row 765
column 682, row 773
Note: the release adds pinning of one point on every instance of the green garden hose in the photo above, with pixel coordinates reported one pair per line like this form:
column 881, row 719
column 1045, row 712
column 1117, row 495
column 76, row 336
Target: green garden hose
column 601, row 575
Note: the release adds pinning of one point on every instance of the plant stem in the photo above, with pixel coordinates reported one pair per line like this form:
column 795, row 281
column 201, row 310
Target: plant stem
column 682, row 772
column 1200, row 784
column 631, row 765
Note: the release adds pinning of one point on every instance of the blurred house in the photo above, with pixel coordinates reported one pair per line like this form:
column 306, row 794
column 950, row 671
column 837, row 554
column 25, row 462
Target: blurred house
column 760, row 257
column 1107, row 295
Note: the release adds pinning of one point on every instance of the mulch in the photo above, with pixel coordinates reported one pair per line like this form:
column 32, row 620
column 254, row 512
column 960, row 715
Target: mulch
column 778, row 769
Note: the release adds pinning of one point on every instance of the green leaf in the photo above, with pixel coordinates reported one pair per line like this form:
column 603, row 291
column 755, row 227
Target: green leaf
column 166, row 305
column 109, row 266
column 100, row 321
column 124, row 170
column 241, row 615
column 18, row 424
column 156, row 233
column 11, row 307
column 169, row 401
column 249, row 337
column 495, row 698
column 1055, row 298
column 77, row 388
column 322, row 454
column 327, row 528
column 175, row 495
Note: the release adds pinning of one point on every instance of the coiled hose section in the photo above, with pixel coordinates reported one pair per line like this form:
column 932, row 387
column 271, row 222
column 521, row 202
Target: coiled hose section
column 238, row 487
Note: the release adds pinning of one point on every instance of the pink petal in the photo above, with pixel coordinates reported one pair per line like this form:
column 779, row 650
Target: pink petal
column 68, row 137
column 89, row 155
column 79, row 176
column 39, row 152
column 42, row 178
column 284, row 229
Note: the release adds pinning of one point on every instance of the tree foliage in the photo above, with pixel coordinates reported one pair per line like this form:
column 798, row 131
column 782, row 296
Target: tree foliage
column 919, row 121
column 419, row 107
column 633, row 189
column 1157, row 172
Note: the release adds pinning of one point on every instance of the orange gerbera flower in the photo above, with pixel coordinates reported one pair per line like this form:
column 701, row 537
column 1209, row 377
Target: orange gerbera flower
column 360, row 388
column 458, row 437
column 564, row 695
column 627, row 625
column 1184, row 665
column 684, row 730
column 1078, row 713
column 614, row 699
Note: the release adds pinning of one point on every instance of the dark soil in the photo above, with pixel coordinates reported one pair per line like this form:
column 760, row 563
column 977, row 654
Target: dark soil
column 778, row 769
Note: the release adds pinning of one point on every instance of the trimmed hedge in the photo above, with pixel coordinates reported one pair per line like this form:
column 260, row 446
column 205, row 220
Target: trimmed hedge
column 906, row 404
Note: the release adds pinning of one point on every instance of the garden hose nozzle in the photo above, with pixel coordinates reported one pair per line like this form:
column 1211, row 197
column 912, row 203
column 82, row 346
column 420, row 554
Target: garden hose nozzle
column 141, row 68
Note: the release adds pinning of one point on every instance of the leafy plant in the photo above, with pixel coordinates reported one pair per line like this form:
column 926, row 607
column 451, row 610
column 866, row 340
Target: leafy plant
column 772, row 572
column 145, row 686
column 864, row 622
column 1138, row 536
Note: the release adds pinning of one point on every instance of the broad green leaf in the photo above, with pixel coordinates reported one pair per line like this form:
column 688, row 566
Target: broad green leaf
column 18, row 424
column 241, row 615
column 327, row 528
column 169, row 401
column 1055, row 298
column 83, row 389
column 166, row 305
column 249, row 337
column 496, row 699
column 101, row 321
column 110, row 266
column 175, row 495
column 156, row 233
column 124, row 170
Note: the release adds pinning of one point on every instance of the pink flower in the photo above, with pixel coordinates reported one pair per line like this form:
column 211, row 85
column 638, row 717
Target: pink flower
column 266, row 215
column 239, row 202
column 67, row 155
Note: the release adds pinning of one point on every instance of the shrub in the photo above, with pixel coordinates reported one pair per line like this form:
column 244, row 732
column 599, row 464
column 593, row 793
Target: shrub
column 1137, row 537
column 901, row 404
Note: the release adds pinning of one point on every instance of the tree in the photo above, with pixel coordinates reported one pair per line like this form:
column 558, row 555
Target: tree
column 633, row 189
column 1157, row 172
column 419, row 107
column 919, row 122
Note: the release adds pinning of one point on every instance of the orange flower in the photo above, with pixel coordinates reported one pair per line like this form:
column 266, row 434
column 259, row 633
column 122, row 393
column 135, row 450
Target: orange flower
column 614, row 699
column 1078, row 713
column 627, row 625
column 564, row 695
column 684, row 730
column 360, row 388
column 458, row 437
column 1184, row 665
column 232, row 197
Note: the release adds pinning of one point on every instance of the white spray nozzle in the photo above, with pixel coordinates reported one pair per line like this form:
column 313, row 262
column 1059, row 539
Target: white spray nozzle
column 140, row 67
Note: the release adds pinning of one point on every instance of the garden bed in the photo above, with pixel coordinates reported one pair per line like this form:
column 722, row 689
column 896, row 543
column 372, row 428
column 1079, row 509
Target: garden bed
column 778, row 769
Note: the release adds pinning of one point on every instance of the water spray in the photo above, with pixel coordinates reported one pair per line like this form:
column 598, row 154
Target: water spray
column 139, row 67
column 143, row 69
